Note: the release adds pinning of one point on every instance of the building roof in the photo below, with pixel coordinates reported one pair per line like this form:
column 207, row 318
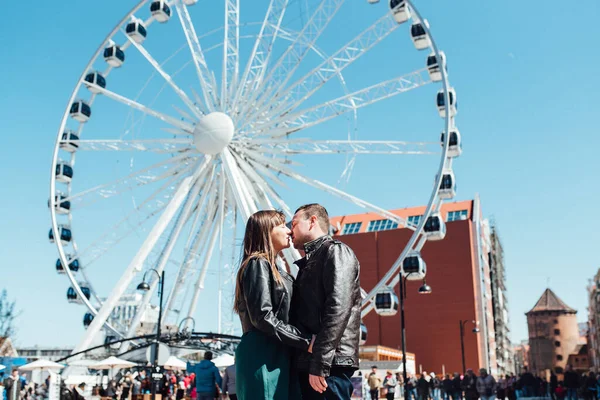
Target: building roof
column 550, row 302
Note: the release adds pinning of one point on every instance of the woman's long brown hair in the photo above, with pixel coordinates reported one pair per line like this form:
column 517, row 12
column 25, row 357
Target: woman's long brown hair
column 257, row 243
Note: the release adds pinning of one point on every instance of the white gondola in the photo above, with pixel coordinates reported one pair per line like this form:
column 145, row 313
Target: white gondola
column 400, row 10
column 447, row 188
column 386, row 302
column 97, row 79
column 160, row 10
column 73, row 265
column 454, row 143
column 114, row 56
column 435, row 227
column 63, row 172
column 373, row 1
column 80, row 111
column 68, row 141
column 441, row 103
column 87, row 319
column 65, row 234
column 109, row 339
column 414, row 267
column 433, row 67
column 136, row 31
column 190, row 2
column 419, row 35
column 60, row 205
column 363, row 334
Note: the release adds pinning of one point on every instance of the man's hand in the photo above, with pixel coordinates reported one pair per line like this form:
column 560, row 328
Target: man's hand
column 312, row 342
column 318, row 383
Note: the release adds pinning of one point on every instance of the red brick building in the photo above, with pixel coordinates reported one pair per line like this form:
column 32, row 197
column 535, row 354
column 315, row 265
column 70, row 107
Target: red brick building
column 458, row 272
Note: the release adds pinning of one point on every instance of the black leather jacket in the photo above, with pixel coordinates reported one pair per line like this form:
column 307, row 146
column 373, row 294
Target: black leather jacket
column 265, row 305
column 326, row 303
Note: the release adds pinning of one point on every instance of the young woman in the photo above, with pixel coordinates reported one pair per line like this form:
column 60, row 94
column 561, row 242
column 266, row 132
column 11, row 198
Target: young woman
column 262, row 300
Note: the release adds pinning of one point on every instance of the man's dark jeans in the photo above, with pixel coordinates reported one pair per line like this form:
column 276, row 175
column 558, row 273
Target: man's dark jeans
column 339, row 385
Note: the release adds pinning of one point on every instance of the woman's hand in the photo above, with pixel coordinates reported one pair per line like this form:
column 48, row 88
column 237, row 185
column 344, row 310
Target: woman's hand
column 312, row 342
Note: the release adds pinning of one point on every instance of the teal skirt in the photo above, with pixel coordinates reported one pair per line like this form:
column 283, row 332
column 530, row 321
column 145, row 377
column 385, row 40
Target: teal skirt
column 263, row 369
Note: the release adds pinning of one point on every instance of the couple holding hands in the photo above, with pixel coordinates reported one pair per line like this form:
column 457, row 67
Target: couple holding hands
column 301, row 335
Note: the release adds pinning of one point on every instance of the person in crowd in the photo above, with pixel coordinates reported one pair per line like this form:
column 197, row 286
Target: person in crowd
column 571, row 382
column 389, row 385
column 469, row 385
column 486, row 385
column 12, row 385
column 374, row 384
column 447, row 387
column 502, row 385
column 423, row 387
column 229, row 382
column 589, row 386
column 436, row 386
column 527, row 383
column 553, row 384
column 456, row 387
column 208, row 377
column 327, row 303
column 78, row 392
column 561, row 391
column 411, row 387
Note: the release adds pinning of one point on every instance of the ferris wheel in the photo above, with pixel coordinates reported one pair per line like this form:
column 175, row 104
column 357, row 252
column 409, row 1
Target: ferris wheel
column 188, row 119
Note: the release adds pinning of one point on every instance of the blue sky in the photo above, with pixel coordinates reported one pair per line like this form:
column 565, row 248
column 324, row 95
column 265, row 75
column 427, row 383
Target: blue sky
column 528, row 97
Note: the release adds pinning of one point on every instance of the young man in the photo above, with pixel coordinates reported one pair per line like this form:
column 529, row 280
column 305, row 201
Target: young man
column 207, row 378
column 326, row 303
column 12, row 385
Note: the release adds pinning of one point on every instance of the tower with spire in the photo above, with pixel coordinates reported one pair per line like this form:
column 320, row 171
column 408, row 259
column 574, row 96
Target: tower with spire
column 553, row 333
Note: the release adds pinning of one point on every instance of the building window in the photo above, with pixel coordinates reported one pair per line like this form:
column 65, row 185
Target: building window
column 557, row 331
column 557, row 343
column 414, row 220
column 559, row 357
column 381, row 225
column 576, row 359
column 556, row 321
column 558, row 370
column 349, row 229
column 457, row 215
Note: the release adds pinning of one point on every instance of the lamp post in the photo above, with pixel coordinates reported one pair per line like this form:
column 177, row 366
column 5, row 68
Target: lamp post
column 143, row 286
column 424, row 289
column 462, row 324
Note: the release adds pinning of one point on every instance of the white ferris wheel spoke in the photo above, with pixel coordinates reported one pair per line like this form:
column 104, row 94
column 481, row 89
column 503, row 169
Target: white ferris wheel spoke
column 250, row 169
column 140, row 177
column 94, row 251
column 290, row 60
column 188, row 128
column 197, row 238
column 231, row 56
column 327, row 147
column 199, row 284
column 261, row 52
column 350, row 102
column 306, row 86
column 165, row 253
column 339, row 193
column 182, row 95
column 208, row 89
column 259, row 167
column 152, row 145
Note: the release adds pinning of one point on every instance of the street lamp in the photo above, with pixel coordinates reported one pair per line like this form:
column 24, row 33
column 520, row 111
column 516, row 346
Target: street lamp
column 462, row 339
column 424, row 289
column 144, row 287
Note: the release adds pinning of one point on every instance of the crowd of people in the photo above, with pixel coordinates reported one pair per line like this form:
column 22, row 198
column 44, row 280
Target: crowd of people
column 484, row 386
column 202, row 381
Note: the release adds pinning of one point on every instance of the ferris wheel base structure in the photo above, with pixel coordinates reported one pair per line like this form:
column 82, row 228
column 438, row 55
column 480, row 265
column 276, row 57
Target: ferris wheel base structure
column 220, row 126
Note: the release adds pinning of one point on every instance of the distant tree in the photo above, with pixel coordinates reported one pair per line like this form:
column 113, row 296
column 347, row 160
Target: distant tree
column 7, row 315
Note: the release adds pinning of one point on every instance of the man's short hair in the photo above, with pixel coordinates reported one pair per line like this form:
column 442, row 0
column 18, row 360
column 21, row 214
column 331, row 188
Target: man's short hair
column 308, row 210
column 208, row 355
column 374, row 366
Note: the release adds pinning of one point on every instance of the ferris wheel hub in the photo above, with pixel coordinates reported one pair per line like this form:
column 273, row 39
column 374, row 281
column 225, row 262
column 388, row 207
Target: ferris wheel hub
column 213, row 133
